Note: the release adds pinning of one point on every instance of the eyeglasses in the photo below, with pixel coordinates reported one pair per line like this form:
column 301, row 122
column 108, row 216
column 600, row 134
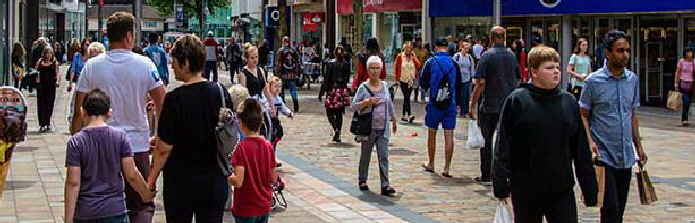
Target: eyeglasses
column 374, row 68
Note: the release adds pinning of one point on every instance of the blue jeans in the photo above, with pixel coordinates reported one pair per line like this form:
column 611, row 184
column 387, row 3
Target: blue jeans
column 423, row 94
column 686, row 101
column 257, row 219
column 465, row 97
column 292, row 85
column 113, row 219
column 210, row 66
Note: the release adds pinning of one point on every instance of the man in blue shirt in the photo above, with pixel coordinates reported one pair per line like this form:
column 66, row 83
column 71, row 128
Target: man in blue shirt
column 157, row 54
column 608, row 103
column 496, row 77
column 442, row 76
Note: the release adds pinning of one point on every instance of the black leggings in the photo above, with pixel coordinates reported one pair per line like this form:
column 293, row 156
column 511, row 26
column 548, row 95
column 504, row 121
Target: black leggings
column 407, row 90
column 335, row 117
column 46, row 98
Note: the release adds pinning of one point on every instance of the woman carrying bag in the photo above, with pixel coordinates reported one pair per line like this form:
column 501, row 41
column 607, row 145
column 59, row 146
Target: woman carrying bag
column 337, row 94
column 684, row 82
column 406, row 68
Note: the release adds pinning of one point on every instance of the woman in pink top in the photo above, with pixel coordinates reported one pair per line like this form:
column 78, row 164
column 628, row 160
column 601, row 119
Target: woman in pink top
column 684, row 81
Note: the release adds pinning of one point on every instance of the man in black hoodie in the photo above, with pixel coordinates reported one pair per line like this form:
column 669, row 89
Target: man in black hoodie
column 540, row 136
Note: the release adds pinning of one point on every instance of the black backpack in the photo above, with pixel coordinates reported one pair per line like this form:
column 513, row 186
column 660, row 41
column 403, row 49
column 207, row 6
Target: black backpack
column 444, row 96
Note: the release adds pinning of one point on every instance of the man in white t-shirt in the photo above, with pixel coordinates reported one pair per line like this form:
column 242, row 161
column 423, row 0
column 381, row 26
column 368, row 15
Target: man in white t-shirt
column 127, row 78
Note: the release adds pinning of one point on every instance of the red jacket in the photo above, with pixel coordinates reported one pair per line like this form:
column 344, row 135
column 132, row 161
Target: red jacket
column 362, row 74
column 399, row 62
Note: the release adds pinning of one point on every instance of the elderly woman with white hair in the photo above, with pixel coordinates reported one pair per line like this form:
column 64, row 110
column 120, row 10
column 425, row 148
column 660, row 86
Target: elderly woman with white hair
column 95, row 49
column 373, row 97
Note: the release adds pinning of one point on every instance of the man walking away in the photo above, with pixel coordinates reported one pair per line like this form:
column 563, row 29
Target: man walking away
column 496, row 76
column 288, row 67
column 211, row 58
column 263, row 53
column 157, row 54
column 128, row 78
column 608, row 101
column 540, row 138
column 443, row 77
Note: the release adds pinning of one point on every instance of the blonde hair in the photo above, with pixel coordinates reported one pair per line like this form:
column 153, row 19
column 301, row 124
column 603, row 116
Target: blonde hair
column 238, row 94
column 407, row 43
column 275, row 80
column 96, row 46
column 248, row 49
column 540, row 55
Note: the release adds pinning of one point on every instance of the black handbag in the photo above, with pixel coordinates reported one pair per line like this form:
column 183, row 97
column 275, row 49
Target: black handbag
column 361, row 124
column 227, row 137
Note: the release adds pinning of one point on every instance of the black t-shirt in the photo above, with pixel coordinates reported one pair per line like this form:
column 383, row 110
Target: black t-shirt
column 255, row 84
column 189, row 116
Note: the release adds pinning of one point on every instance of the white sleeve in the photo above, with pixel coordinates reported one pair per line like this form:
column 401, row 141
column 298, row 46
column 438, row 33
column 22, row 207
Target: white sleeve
column 154, row 81
column 83, row 82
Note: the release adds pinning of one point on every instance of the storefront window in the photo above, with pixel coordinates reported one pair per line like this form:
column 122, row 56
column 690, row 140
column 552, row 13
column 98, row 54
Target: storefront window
column 689, row 33
column 4, row 46
column 581, row 28
column 553, row 33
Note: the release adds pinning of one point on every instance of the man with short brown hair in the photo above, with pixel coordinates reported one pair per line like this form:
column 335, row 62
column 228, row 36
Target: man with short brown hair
column 128, row 78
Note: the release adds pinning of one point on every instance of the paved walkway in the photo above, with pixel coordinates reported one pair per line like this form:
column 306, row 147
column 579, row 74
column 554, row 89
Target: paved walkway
column 34, row 188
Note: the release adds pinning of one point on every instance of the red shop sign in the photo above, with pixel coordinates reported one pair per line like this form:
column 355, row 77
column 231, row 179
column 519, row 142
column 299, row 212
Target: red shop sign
column 310, row 20
column 345, row 6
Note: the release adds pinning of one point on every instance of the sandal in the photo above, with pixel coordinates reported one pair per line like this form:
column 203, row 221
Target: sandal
column 428, row 169
column 446, row 174
column 388, row 191
column 363, row 186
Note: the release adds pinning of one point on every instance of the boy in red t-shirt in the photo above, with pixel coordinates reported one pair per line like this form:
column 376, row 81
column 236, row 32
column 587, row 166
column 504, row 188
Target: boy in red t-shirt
column 254, row 168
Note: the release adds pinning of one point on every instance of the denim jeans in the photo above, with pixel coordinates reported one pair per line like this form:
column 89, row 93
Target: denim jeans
column 382, row 151
column 210, row 66
column 123, row 218
column 686, row 102
column 423, row 94
column 257, row 219
column 292, row 85
column 465, row 97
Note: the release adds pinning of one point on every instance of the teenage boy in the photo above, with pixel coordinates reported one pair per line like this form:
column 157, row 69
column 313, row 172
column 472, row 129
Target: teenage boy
column 540, row 138
column 97, row 159
column 254, row 168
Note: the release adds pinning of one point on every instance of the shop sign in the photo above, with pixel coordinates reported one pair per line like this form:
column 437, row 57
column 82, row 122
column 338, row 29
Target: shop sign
column 310, row 20
column 345, row 6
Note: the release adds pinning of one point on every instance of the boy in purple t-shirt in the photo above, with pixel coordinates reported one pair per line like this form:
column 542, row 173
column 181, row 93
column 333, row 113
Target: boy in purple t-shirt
column 97, row 159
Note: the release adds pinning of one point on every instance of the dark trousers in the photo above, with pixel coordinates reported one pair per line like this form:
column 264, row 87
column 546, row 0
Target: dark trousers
column 465, row 97
column 292, row 85
column 133, row 202
column 46, row 101
column 258, row 219
column 530, row 206
column 488, row 124
column 407, row 91
column 210, row 66
column 202, row 196
column 617, row 187
column 686, row 101
column 335, row 117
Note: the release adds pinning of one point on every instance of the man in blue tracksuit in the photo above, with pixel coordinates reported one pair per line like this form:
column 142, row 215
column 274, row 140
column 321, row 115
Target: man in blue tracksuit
column 442, row 76
column 157, row 54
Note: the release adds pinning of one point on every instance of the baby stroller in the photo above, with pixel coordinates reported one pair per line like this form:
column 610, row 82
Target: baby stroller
column 278, row 202
column 311, row 73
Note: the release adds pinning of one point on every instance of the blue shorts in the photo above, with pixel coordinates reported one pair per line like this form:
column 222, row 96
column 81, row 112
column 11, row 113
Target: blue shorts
column 435, row 116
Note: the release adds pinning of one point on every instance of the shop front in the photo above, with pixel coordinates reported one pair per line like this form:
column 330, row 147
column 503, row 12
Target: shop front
column 392, row 22
column 658, row 32
column 5, row 43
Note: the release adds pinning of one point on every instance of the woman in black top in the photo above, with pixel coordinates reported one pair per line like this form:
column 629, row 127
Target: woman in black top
column 255, row 80
column 48, row 82
column 186, row 143
column 18, row 54
column 335, row 85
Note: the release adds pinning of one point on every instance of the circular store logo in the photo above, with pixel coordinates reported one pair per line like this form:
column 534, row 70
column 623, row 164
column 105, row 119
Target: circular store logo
column 550, row 3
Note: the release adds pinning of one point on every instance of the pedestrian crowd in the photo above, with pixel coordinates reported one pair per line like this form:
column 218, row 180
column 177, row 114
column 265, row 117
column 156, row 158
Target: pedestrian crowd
column 544, row 135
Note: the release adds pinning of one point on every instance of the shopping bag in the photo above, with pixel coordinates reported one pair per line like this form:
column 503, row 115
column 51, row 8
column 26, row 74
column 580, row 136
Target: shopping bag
column 502, row 215
column 675, row 101
column 601, row 180
column 475, row 137
column 647, row 194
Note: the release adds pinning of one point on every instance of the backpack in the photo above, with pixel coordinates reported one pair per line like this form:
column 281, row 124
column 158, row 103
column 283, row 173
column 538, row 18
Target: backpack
column 443, row 97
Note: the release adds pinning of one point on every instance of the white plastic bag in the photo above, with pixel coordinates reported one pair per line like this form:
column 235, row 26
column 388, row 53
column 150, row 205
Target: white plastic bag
column 502, row 215
column 475, row 137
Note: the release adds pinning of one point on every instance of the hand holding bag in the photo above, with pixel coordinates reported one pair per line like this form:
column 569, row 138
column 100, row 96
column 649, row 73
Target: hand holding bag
column 226, row 135
column 647, row 194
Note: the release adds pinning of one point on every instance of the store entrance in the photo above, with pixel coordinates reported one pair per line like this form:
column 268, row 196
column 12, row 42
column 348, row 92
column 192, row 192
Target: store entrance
column 657, row 58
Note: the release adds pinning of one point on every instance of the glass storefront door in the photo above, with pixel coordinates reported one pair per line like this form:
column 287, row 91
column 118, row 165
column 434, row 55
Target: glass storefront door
column 4, row 46
column 657, row 57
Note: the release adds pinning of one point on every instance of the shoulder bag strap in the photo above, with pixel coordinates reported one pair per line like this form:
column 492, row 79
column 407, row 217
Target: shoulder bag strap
column 224, row 105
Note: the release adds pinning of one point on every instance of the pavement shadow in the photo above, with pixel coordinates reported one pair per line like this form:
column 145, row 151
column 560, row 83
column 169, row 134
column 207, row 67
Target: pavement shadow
column 19, row 184
column 340, row 145
column 375, row 198
column 25, row 148
column 456, row 181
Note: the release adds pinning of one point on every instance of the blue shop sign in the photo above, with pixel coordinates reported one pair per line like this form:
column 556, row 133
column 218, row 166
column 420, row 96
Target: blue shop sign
column 465, row 8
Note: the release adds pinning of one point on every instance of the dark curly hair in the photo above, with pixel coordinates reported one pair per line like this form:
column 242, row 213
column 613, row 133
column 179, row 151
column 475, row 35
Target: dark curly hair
column 612, row 37
column 97, row 103
column 191, row 49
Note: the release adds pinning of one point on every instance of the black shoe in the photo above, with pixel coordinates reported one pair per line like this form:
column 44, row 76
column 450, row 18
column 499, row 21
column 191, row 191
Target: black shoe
column 412, row 118
column 296, row 106
column 278, row 164
column 388, row 191
column 484, row 182
column 336, row 136
column 42, row 129
column 363, row 186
